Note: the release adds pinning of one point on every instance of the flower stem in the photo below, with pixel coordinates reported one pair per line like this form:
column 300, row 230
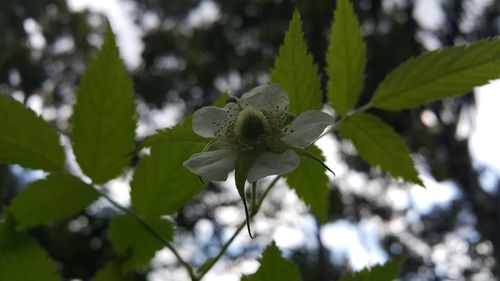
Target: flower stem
column 226, row 245
column 151, row 231
column 254, row 195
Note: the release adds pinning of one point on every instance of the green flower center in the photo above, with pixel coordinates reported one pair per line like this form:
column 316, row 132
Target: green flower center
column 251, row 125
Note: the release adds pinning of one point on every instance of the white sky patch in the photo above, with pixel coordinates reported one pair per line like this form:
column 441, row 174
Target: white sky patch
column 429, row 14
column 288, row 237
column 485, row 138
column 206, row 13
column 434, row 194
column 358, row 243
column 35, row 36
column 121, row 17
column 154, row 119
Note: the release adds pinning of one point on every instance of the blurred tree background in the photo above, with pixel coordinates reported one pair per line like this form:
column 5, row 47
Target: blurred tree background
column 190, row 61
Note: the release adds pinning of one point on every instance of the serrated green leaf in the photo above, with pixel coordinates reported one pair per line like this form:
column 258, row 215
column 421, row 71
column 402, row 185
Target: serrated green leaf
column 345, row 59
column 161, row 184
column 439, row 74
column 377, row 143
column 22, row 259
column 26, row 139
column 311, row 184
column 104, row 116
column 182, row 133
column 295, row 70
column 58, row 196
column 132, row 242
column 112, row 272
column 386, row 272
column 274, row 267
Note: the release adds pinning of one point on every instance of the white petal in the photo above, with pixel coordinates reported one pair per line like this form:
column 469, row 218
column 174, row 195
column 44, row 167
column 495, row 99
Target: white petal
column 271, row 98
column 208, row 121
column 269, row 163
column 306, row 128
column 212, row 165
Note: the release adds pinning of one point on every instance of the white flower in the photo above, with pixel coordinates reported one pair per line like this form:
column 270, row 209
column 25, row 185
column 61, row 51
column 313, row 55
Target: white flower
column 254, row 135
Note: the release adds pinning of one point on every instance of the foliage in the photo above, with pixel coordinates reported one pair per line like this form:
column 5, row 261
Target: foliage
column 103, row 141
column 310, row 183
column 377, row 142
column 274, row 267
column 58, row 196
column 25, row 139
column 295, row 70
column 132, row 242
column 346, row 59
column 21, row 258
column 104, row 116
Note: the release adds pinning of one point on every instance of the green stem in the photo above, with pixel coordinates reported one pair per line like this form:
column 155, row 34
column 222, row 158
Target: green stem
column 345, row 118
column 151, row 231
column 254, row 195
column 226, row 245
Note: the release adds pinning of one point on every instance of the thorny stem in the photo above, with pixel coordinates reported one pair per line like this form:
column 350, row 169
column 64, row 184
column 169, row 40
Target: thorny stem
column 226, row 245
column 151, row 231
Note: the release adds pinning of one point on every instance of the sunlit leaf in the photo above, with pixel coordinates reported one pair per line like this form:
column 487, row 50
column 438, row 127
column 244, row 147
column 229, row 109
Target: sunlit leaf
column 311, row 184
column 346, row 59
column 58, row 196
column 26, row 139
column 377, row 143
column 274, row 267
column 439, row 74
column 295, row 70
column 104, row 116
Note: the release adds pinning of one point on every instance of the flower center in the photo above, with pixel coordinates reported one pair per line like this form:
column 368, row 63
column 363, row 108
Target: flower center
column 251, row 124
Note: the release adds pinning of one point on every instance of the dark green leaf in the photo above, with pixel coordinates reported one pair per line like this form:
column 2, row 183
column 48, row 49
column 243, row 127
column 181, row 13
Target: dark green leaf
column 134, row 243
column 439, row 74
column 311, row 184
column 58, row 196
column 104, row 116
column 21, row 258
column 274, row 267
column 386, row 272
column 377, row 143
column 112, row 272
column 346, row 59
column 295, row 70
column 182, row 133
column 161, row 184
column 26, row 139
